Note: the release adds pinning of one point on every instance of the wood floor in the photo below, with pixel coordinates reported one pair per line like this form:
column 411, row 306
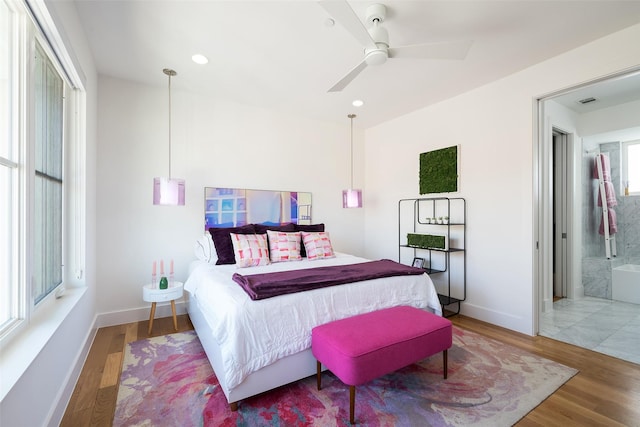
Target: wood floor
column 93, row 401
column 606, row 391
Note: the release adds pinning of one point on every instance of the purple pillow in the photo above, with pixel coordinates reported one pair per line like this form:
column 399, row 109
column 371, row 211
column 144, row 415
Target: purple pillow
column 222, row 241
column 311, row 228
column 286, row 228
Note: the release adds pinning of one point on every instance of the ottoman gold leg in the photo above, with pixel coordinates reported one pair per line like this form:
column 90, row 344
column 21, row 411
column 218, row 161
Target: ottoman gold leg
column 352, row 403
column 153, row 313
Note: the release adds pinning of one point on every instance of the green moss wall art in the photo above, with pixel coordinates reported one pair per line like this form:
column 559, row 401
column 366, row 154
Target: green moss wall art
column 425, row 241
column 439, row 171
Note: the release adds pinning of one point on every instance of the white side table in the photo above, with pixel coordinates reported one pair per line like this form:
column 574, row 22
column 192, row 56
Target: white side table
column 154, row 294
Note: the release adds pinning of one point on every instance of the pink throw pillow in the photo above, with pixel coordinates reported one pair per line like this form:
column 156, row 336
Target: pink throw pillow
column 317, row 245
column 250, row 250
column 284, row 246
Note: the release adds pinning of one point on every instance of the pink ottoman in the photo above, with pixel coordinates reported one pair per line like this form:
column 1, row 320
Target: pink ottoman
column 361, row 348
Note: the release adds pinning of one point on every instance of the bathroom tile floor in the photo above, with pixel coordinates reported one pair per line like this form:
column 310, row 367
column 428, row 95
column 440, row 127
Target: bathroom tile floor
column 605, row 326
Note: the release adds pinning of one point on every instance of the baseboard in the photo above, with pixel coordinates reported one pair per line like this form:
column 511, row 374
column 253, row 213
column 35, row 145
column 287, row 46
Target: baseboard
column 64, row 397
column 506, row 320
column 138, row 314
column 578, row 292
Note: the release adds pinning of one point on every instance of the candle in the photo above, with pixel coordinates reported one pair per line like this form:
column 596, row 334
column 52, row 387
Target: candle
column 171, row 268
column 161, row 266
column 154, row 268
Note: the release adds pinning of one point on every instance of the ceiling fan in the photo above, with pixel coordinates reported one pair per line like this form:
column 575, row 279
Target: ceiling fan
column 375, row 39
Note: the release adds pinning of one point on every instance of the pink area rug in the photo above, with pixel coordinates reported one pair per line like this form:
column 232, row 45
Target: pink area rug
column 167, row 381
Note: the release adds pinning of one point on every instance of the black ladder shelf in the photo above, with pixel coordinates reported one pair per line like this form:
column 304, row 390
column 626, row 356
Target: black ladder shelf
column 426, row 216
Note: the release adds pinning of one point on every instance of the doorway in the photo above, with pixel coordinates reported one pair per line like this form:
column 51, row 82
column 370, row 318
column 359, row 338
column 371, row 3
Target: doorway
column 558, row 214
column 563, row 120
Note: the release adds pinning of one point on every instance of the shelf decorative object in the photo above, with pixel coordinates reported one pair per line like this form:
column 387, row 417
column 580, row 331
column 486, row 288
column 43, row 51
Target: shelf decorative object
column 418, row 262
column 164, row 282
column 425, row 241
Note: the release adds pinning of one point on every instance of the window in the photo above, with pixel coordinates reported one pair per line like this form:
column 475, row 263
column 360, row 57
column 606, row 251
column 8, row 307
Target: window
column 631, row 167
column 8, row 173
column 33, row 189
column 48, row 127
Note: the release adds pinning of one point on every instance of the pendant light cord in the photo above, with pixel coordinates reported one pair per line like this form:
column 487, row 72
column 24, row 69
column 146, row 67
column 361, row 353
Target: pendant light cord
column 351, row 116
column 169, row 72
column 169, row 126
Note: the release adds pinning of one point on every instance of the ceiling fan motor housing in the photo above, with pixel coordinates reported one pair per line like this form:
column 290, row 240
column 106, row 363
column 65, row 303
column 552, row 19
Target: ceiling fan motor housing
column 376, row 56
column 380, row 35
column 376, row 12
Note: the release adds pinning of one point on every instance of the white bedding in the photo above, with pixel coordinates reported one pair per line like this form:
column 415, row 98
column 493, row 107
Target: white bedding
column 254, row 334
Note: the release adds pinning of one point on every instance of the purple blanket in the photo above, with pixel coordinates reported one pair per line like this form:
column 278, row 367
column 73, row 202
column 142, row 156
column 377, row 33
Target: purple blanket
column 267, row 285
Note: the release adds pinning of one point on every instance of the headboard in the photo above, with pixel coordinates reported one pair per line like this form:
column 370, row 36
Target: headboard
column 232, row 207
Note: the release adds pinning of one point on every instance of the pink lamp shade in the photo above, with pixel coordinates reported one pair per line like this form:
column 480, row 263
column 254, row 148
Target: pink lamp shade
column 351, row 198
column 167, row 191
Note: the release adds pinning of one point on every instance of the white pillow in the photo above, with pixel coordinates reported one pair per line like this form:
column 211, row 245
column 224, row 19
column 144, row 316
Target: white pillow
column 205, row 250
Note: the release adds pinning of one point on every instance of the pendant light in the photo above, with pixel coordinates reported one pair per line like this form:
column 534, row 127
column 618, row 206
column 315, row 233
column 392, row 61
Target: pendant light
column 168, row 191
column 351, row 198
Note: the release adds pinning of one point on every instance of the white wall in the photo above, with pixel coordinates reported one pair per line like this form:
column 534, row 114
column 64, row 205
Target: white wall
column 214, row 143
column 40, row 395
column 494, row 126
column 612, row 120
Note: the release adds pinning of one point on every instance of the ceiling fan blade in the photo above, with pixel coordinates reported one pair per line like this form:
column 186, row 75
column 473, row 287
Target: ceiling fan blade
column 349, row 77
column 344, row 14
column 444, row 50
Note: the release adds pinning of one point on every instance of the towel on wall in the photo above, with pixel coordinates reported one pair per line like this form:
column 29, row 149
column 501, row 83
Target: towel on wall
column 610, row 193
column 613, row 226
column 606, row 168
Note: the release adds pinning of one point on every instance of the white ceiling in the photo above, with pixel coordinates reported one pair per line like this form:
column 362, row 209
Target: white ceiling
column 607, row 93
column 281, row 55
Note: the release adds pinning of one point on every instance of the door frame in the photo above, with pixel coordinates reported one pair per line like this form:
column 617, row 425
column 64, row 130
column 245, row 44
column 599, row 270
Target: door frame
column 563, row 169
column 544, row 216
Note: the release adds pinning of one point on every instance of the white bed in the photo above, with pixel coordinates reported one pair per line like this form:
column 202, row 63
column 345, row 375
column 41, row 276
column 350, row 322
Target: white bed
column 255, row 346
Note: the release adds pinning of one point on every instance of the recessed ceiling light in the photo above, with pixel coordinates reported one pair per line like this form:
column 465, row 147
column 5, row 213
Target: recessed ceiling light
column 357, row 103
column 199, row 59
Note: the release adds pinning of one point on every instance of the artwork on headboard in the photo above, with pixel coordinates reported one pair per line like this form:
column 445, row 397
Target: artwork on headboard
column 232, row 207
column 439, row 171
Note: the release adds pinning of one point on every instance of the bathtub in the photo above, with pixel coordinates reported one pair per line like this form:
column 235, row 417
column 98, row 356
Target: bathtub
column 625, row 284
